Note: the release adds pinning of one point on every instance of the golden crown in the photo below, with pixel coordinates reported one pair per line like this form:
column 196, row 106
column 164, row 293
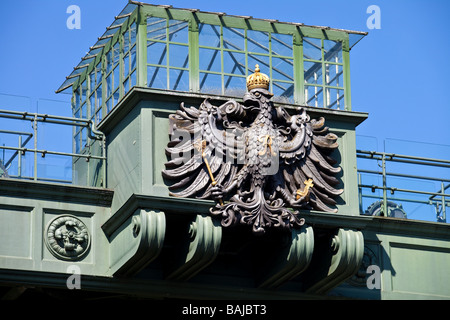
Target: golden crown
column 257, row 80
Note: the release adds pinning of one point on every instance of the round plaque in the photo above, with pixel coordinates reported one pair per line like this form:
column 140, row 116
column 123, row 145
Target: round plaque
column 67, row 238
column 360, row 278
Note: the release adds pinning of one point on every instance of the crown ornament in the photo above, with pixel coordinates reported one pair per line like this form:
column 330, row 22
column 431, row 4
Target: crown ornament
column 257, row 80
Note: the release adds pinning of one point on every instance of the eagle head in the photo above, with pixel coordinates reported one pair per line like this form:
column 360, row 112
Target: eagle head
column 255, row 98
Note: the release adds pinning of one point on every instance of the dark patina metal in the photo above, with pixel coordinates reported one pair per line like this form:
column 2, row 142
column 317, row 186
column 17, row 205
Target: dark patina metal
column 265, row 163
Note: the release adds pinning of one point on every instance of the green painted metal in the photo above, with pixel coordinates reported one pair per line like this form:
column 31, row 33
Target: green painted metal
column 24, row 223
column 134, row 225
column 171, row 246
column 194, row 85
column 196, row 249
column 410, row 254
column 289, row 260
column 345, row 249
column 136, row 239
column 346, row 60
column 140, row 127
column 434, row 202
column 96, row 154
column 194, row 17
column 299, row 80
column 141, row 40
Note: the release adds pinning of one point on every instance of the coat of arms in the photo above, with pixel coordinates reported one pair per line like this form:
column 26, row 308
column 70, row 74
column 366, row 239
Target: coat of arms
column 260, row 164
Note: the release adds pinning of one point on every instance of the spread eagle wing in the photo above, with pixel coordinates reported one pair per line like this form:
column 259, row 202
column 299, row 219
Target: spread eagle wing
column 205, row 148
column 306, row 163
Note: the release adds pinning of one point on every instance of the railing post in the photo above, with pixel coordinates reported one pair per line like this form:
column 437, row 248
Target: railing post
column 35, row 118
column 383, row 166
column 35, row 146
column 19, row 161
column 443, row 202
column 360, row 193
column 103, row 142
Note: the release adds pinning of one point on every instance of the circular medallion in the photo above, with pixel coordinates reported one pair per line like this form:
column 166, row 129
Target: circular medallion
column 67, row 238
column 360, row 278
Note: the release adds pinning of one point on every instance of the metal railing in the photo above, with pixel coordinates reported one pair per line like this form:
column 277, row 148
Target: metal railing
column 16, row 154
column 439, row 199
column 21, row 149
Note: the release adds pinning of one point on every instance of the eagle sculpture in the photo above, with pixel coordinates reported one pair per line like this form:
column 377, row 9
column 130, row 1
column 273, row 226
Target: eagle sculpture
column 260, row 164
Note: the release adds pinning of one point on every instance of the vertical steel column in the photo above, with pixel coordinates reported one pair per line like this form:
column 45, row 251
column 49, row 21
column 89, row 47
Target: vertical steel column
column 299, row 86
column 141, row 49
column 35, row 146
column 444, row 218
column 19, row 161
column 194, row 58
column 104, row 185
column 346, row 70
column 324, row 79
column 360, row 193
column 383, row 166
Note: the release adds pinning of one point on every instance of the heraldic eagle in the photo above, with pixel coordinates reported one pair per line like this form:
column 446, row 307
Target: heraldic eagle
column 257, row 162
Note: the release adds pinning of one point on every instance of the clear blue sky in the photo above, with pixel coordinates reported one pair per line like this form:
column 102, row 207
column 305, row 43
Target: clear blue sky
column 400, row 73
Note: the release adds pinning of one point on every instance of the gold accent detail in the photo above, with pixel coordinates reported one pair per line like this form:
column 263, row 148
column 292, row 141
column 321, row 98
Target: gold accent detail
column 201, row 146
column 257, row 80
column 267, row 139
column 305, row 192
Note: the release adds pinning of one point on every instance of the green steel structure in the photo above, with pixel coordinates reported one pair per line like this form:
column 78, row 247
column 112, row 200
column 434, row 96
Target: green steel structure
column 160, row 47
column 114, row 230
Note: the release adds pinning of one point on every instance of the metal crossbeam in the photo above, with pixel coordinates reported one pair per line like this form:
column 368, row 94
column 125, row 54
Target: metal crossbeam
column 441, row 203
column 45, row 118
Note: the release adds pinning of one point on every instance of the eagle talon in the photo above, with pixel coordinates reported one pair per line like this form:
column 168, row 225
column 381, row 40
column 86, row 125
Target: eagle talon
column 298, row 203
column 217, row 192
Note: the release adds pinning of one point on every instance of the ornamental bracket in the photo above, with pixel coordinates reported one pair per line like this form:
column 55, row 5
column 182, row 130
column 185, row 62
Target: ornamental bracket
column 135, row 240
column 291, row 260
column 340, row 258
column 198, row 247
